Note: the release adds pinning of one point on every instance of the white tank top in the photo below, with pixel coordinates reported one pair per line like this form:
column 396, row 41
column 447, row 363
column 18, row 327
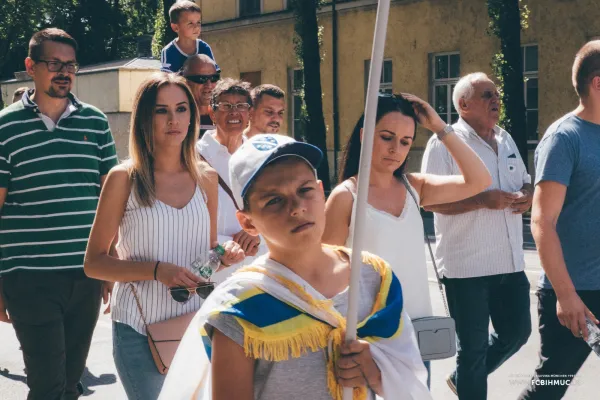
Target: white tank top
column 159, row 233
column 399, row 241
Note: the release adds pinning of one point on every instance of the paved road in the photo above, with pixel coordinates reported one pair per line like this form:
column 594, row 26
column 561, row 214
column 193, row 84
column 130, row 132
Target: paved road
column 100, row 379
column 102, row 382
column 509, row 380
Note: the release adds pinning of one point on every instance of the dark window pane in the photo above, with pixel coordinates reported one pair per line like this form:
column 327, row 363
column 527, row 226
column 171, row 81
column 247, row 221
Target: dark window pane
column 454, row 65
column 298, row 79
column 249, row 7
column 298, row 129
column 451, row 102
column 531, row 58
column 254, row 78
column 441, row 101
column 453, row 118
column 532, row 93
column 386, row 73
column 298, row 122
column 532, row 125
column 441, row 67
column 297, row 107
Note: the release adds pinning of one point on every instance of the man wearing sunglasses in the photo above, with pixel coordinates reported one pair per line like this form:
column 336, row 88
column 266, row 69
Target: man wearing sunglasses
column 55, row 152
column 202, row 74
column 230, row 108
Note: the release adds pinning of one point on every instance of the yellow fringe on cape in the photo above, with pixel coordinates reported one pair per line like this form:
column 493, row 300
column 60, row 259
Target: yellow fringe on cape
column 314, row 336
column 269, row 347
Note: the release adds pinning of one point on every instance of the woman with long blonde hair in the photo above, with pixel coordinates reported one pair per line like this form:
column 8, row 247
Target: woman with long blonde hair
column 161, row 204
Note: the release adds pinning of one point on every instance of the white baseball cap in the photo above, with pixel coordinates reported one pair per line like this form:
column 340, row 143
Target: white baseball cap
column 259, row 151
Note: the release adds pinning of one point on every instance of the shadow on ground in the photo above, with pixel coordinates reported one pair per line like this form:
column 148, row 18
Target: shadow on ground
column 13, row 377
column 88, row 379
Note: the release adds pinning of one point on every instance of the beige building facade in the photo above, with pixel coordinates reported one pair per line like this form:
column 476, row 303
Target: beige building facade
column 430, row 44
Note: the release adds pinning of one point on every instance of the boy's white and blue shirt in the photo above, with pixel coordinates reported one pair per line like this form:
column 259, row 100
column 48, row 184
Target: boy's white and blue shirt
column 172, row 57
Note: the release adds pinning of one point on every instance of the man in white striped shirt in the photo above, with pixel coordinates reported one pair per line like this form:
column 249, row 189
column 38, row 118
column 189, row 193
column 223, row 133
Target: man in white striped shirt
column 480, row 241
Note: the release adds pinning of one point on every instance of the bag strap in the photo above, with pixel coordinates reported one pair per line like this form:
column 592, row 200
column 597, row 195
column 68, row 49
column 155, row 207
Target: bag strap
column 151, row 342
column 223, row 184
column 437, row 275
column 137, row 300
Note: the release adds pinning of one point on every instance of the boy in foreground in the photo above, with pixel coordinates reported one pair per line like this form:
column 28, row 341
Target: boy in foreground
column 275, row 329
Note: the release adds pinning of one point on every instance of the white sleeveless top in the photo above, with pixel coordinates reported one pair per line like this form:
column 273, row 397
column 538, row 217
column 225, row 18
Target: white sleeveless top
column 399, row 241
column 159, row 233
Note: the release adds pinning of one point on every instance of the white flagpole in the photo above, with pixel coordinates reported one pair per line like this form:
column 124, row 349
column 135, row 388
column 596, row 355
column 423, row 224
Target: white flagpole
column 364, row 172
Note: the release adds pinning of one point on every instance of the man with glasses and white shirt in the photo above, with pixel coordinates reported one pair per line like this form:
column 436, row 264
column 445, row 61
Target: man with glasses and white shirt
column 480, row 241
column 202, row 74
column 230, row 106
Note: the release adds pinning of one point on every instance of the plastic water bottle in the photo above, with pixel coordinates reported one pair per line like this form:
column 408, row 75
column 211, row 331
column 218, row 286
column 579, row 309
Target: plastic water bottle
column 208, row 264
column 593, row 339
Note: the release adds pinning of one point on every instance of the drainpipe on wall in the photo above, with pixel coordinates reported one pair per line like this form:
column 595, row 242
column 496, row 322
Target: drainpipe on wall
column 336, row 118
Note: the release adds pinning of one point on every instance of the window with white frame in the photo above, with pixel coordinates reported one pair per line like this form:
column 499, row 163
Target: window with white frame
column 445, row 73
column 297, row 89
column 386, row 81
column 248, row 8
column 530, row 73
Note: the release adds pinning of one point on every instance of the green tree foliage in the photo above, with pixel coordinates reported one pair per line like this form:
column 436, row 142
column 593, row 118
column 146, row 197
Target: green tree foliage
column 105, row 29
column 163, row 33
column 160, row 25
column 307, row 44
column 18, row 18
column 507, row 18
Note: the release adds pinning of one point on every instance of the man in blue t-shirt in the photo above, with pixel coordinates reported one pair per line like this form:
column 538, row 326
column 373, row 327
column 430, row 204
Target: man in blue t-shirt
column 566, row 228
column 185, row 17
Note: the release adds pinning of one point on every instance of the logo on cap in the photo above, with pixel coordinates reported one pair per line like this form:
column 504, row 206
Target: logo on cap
column 265, row 143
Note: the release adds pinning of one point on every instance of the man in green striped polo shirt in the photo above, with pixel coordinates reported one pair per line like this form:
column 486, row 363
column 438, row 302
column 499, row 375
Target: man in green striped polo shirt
column 55, row 152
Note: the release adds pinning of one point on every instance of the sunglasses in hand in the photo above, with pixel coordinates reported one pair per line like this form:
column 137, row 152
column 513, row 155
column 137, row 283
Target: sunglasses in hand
column 183, row 294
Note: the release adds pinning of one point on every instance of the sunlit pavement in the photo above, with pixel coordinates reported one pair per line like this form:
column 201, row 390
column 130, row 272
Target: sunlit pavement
column 101, row 380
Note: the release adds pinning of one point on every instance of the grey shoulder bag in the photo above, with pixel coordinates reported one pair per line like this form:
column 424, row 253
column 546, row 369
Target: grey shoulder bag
column 436, row 336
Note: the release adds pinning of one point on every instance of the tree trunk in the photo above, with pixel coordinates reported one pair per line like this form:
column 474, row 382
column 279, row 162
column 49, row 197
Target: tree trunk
column 513, row 98
column 307, row 29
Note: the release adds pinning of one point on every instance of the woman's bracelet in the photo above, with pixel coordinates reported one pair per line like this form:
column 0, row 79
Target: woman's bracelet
column 156, row 269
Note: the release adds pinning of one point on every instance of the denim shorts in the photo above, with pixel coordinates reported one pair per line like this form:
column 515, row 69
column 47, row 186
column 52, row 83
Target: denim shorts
column 135, row 365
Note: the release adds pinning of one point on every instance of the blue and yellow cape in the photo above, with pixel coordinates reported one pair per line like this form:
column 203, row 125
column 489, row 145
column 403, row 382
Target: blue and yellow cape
column 299, row 320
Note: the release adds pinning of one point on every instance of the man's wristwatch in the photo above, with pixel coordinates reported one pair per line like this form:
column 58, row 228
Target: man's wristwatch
column 447, row 129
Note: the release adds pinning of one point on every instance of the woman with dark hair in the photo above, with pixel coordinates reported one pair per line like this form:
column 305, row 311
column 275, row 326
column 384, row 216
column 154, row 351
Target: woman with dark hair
column 394, row 225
